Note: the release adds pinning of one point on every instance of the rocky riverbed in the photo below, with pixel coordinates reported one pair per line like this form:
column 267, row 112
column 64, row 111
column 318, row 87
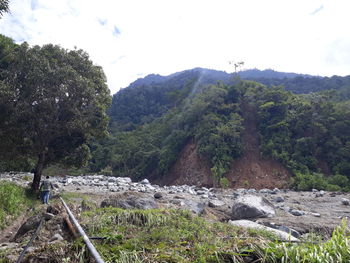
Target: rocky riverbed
column 290, row 211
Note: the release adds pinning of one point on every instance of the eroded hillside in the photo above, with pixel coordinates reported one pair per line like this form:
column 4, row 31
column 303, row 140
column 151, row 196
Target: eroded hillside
column 241, row 134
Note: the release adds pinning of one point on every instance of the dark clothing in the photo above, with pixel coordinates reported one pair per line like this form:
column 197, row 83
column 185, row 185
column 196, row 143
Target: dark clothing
column 45, row 188
column 46, row 185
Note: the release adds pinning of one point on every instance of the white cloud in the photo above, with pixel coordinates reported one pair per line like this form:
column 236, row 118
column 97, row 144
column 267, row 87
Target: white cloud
column 134, row 37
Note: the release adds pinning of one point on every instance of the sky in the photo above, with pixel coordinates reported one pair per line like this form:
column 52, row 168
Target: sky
column 133, row 38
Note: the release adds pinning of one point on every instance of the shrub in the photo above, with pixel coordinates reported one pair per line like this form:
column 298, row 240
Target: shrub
column 335, row 249
column 12, row 200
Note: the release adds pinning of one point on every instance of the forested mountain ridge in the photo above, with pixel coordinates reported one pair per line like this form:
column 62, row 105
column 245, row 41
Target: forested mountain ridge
column 191, row 128
column 164, row 92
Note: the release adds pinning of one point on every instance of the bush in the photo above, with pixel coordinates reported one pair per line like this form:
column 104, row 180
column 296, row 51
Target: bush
column 339, row 180
column 309, row 181
column 224, row 182
column 12, row 200
column 335, row 249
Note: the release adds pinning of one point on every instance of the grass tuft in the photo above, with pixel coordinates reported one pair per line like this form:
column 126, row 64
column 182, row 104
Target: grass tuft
column 13, row 200
column 336, row 249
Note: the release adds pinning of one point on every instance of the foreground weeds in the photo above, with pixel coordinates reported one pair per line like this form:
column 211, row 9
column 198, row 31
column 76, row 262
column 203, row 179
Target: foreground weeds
column 336, row 249
column 179, row 236
column 168, row 236
column 13, row 200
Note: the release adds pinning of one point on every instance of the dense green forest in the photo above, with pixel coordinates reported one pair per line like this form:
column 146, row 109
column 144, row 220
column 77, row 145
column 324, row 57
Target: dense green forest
column 308, row 133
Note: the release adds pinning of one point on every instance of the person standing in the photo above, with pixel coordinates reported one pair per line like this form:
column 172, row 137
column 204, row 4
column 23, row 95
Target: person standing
column 45, row 188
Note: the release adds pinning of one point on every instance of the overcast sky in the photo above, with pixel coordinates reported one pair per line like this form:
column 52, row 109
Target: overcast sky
column 131, row 39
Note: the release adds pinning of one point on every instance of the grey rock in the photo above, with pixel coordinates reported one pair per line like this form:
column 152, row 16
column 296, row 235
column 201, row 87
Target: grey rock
column 9, row 245
column 177, row 202
column 249, row 224
column 315, row 214
column 286, row 229
column 278, row 199
column 275, row 191
column 124, row 179
column 194, row 206
column 201, row 192
column 48, row 216
column 112, row 179
column 31, row 224
column 345, row 201
column 56, row 237
column 215, row 203
column 158, row 195
column 295, row 212
column 251, row 191
column 320, row 194
column 130, row 200
column 265, row 191
column 289, row 230
column 145, row 181
column 251, row 206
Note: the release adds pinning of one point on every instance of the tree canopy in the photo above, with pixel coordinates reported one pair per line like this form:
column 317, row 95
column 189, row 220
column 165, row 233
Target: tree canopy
column 54, row 100
column 4, row 7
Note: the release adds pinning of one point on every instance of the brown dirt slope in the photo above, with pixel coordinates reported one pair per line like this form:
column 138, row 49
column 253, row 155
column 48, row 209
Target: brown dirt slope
column 252, row 170
column 189, row 169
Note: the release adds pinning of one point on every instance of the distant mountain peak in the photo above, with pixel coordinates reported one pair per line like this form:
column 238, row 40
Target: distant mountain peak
column 212, row 75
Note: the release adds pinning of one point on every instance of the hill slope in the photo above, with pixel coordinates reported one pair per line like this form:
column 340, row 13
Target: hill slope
column 184, row 130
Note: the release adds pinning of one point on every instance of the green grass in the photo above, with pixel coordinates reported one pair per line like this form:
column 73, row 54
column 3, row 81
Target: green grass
column 167, row 236
column 336, row 249
column 179, row 236
column 13, row 200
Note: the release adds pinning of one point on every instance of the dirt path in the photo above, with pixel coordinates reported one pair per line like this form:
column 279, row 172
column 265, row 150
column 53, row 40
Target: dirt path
column 252, row 170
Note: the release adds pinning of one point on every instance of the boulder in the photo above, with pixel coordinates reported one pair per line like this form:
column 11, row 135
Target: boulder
column 31, row 224
column 251, row 191
column 215, row 203
column 48, row 216
column 145, row 181
column 249, row 224
column 320, row 193
column 194, row 206
column 251, row 206
column 158, row 195
column 265, row 191
column 295, row 212
column 283, row 228
column 278, row 199
column 345, row 201
column 130, row 200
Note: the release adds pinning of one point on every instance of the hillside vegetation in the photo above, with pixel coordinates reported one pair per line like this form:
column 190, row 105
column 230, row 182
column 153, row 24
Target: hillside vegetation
column 151, row 124
column 198, row 123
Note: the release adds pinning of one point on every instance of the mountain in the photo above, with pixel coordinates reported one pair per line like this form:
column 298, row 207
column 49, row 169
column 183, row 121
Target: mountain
column 206, row 127
column 269, row 74
column 211, row 76
column 297, row 83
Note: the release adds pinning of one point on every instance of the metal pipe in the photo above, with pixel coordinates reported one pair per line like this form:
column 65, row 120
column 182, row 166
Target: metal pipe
column 20, row 258
column 90, row 246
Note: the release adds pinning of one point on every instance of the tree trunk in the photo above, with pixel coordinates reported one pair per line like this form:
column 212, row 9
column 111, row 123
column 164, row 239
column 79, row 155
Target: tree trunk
column 38, row 171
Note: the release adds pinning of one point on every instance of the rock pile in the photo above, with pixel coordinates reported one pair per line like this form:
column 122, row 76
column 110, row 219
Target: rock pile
column 285, row 209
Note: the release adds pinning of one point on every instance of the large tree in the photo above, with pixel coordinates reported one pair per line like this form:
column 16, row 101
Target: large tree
column 4, row 7
column 55, row 101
